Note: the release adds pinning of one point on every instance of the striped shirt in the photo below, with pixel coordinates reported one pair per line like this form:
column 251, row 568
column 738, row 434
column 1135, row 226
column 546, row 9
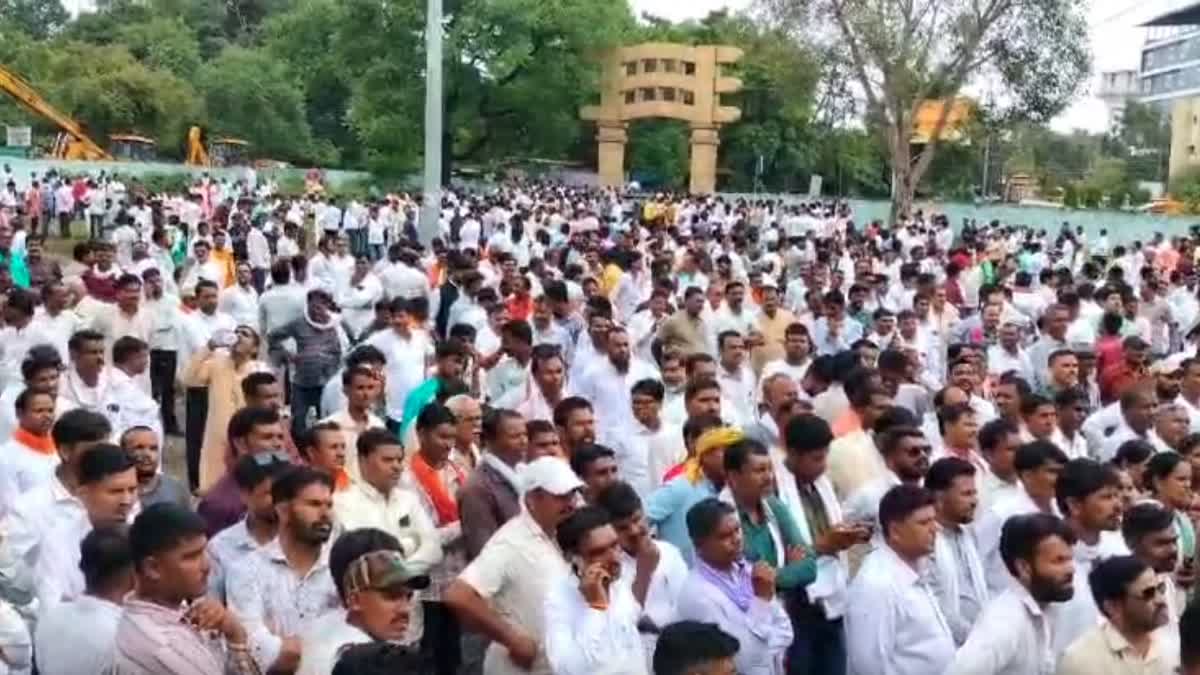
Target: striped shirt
column 153, row 639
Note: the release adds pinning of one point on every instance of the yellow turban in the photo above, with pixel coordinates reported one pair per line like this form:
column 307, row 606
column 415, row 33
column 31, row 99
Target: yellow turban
column 713, row 439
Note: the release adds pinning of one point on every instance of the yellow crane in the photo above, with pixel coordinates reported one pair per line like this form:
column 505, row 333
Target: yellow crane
column 74, row 143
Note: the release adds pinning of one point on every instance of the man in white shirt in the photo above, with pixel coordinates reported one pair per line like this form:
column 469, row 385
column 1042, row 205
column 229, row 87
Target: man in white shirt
column 362, row 387
column 87, row 383
column 1008, row 354
column 1089, row 495
column 204, row 267
column 134, row 406
column 957, row 571
column 77, row 636
column 592, row 613
column 738, row 384
column 108, row 488
column 401, row 276
column 377, row 585
column 378, row 501
column 608, row 381
column 258, row 254
column 165, row 324
column 240, row 301
column 668, row 571
column 409, row 351
column 504, row 589
column 1014, row 636
column 28, row 458
column 1038, row 465
column 53, row 504
column 20, row 333
column 894, row 624
column 1133, row 602
column 54, row 318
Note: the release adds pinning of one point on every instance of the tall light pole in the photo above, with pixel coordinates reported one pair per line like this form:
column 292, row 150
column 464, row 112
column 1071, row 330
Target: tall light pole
column 432, row 187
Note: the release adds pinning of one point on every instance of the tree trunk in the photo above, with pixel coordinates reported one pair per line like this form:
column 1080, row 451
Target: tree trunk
column 903, row 180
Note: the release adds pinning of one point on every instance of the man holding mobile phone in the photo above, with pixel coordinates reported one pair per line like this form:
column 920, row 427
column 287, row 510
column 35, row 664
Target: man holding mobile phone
column 592, row 614
column 816, row 611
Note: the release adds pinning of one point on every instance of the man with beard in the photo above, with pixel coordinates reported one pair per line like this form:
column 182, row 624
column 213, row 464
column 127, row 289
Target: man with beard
column 142, row 443
column 256, row 529
column 592, row 614
column 1088, row 494
column 576, row 422
column 1149, row 532
column 376, row 585
column 1132, row 600
column 280, row 589
column 905, row 452
column 957, row 571
column 894, row 625
column 1011, row 636
column 607, row 383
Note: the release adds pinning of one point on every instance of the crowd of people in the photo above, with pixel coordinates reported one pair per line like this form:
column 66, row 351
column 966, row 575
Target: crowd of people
column 583, row 432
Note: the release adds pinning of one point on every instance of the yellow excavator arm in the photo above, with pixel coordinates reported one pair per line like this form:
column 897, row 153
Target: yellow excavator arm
column 80, row 146
column 197, row 155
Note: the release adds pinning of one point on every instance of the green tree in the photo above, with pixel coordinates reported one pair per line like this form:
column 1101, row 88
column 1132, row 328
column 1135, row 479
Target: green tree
column 658, row 153
column 302, row 39
column 516, row 73
column 107, row 91
column 903, row 54
column 252, row 95
column 163, row 43
column 39, row 19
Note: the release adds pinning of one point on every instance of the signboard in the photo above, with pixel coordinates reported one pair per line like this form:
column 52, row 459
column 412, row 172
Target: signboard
column 19, row 137
column 814, row 185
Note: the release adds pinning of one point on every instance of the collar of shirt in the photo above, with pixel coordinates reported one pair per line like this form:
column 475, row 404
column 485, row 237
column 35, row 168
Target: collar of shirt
column 274, row 553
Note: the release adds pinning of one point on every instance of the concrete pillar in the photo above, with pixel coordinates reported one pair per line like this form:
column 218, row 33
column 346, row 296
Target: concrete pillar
column 705, row 140
column 611, row 164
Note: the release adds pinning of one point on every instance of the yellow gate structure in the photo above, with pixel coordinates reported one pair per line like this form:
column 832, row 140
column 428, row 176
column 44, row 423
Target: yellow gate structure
column 664, row 80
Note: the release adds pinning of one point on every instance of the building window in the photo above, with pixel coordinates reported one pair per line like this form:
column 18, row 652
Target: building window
column 689, row 68
column 668, row 65
column 648, row 94
column 649, row 66
column 688, row 97
column 631, row 68
column 630, row 97
column 667, row 94
column 1191, row 150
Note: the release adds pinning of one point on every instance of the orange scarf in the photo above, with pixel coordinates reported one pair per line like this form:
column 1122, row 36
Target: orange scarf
column 341, row 480
column 429, row 480
column 40, row 444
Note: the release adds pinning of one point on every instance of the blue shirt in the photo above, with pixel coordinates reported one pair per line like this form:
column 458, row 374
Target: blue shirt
column 667, row 511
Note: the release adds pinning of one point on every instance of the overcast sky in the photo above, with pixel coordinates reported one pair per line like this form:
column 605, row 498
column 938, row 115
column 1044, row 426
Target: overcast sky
column 1116, row 42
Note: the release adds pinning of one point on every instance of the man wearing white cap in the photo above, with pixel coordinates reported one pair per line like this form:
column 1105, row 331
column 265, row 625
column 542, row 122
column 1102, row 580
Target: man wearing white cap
column 503, row 590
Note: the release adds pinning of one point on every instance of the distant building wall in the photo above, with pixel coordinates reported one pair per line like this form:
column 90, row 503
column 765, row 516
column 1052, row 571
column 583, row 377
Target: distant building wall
column 1185, row 136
